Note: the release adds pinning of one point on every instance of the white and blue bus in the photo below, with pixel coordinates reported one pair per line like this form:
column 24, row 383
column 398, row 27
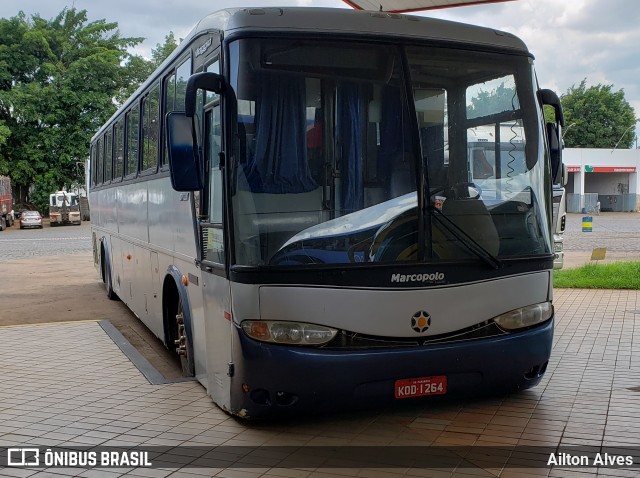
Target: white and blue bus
column 297, row 202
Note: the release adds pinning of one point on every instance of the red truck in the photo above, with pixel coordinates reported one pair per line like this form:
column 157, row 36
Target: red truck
column 6, row 203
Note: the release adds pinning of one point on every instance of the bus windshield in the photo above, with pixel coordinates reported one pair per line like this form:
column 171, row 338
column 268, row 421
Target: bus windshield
column 349, row 152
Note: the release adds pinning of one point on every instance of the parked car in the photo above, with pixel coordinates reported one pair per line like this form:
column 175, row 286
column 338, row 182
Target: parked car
column 30, row 219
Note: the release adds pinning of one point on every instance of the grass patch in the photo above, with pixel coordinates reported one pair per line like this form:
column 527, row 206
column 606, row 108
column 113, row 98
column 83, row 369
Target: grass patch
column 614, row 275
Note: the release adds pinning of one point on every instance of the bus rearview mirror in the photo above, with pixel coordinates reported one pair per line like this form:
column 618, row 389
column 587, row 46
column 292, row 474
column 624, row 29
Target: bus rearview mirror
column 184, row 161
column 206, row 81
column 549, row 97
column 555, row 152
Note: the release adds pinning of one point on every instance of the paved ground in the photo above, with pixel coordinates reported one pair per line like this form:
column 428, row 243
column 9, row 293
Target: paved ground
column 618, row 232
column 47, row 275
column 68, row 384
column 16, row 243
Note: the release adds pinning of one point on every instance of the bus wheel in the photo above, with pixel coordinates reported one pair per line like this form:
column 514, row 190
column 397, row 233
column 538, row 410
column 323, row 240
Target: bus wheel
column 106, row 277
column 182, row 341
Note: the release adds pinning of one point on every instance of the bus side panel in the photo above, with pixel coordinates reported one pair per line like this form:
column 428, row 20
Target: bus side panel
column 109, row 216
column 170, row 215
column 132, row 211
column 218, row 337
column 182, row 224
column 96, row 208
column 164, row 213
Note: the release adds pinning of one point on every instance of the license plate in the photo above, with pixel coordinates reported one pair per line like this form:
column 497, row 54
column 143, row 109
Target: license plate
column 421, row 387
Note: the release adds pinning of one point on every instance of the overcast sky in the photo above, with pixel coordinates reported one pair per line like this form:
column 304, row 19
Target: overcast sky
column 571, row 39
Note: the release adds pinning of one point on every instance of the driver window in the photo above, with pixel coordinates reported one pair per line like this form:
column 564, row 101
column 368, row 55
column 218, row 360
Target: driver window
column 495, row 148
column 431, row 108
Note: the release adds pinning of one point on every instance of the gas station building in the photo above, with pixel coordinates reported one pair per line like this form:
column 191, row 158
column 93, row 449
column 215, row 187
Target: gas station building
column 605, row 175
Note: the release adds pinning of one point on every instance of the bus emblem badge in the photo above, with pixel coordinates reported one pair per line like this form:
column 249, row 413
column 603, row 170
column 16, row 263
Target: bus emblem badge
column 420, row 321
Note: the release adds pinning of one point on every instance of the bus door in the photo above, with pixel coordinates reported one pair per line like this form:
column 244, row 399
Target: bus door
column 217, row 304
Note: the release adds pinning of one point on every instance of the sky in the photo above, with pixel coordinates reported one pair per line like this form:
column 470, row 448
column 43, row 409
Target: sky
column 571, row 39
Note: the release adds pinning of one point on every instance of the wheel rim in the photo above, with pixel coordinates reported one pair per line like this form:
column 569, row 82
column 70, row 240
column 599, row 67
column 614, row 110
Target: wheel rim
column 182, row 342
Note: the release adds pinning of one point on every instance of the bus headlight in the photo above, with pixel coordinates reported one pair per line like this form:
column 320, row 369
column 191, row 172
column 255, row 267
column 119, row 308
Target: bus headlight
column 525, row 316
column 293, row 333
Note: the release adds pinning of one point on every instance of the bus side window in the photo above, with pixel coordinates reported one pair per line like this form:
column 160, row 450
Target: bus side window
column 108, row 156
column 150, row 129
column 99, row 163
column 133, row 128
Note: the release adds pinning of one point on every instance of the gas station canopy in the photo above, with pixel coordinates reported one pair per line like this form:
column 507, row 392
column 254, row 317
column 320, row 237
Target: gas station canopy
column 403, row 6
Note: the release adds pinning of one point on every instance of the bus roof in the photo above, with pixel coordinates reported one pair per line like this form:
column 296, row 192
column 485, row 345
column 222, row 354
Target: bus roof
column 403, row 6
column 349, row 22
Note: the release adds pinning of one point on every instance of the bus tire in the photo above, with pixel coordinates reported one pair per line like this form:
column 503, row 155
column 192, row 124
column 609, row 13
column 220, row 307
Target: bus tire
column 177, row 325
column 106, row 275
column 182, row 343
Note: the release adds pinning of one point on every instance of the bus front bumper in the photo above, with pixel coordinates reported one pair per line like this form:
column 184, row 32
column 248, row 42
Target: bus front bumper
column 275, row 380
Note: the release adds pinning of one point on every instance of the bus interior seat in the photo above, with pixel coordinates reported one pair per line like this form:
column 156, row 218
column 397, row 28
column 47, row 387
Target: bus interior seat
column 402, row 179
column 261, row 228
column 472, row 216
column 515, row 234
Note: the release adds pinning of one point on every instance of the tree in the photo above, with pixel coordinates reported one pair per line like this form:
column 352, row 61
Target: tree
column 139, row 68
column 597, row 117
column 58, row 81
column 502, row 98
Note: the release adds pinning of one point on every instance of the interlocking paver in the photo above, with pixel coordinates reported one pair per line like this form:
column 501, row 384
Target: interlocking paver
column 89, row 394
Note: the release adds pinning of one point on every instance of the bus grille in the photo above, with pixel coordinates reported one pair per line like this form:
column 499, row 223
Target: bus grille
column 359, row 341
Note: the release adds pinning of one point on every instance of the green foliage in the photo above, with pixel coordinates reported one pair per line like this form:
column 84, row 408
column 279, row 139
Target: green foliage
column 549, row 114
column 44, row 185
column 502, row 98
column 4, row 134
column 597, row 117
column 616, row 275
column 60, row 80
column 139, row 69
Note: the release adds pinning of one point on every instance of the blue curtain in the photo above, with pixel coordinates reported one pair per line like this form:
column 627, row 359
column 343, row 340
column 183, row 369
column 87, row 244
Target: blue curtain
column 393, row 140
column 279, row 163
column 350, row 139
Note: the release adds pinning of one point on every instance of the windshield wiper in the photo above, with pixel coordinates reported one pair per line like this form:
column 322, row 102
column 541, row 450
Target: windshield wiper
column 466, row 239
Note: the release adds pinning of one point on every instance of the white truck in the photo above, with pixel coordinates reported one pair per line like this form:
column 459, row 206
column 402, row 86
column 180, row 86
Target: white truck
column 64, row 208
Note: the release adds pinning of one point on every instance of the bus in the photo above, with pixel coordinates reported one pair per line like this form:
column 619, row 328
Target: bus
column 291, row 202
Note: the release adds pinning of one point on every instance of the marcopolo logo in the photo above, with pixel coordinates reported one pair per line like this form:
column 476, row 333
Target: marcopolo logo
column 428, row 278
column 204, row 47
